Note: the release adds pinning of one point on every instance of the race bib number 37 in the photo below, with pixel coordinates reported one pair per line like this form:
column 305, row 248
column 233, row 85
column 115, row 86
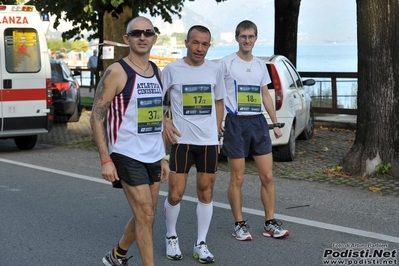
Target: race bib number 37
column 197, row 99
column 149, row 115
column 248, row 98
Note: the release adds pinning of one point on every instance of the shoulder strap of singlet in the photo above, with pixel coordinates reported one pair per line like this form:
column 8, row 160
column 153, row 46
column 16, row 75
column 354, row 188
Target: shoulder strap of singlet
column 156, row 73
column 126, row 67
column 155, row 68
column 130, row 71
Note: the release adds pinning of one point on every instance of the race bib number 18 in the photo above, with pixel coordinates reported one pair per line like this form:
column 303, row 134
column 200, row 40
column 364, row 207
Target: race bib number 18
column 248, row 98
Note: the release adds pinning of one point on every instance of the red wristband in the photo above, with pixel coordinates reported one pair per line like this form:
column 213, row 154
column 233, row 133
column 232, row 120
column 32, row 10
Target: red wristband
column 106, row 161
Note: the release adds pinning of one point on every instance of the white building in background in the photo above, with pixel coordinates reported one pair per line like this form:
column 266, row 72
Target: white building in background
column 227, row 36
column 76, row 59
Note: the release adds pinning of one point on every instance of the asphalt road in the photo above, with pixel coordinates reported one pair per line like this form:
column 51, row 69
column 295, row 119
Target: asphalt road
column 56, row 210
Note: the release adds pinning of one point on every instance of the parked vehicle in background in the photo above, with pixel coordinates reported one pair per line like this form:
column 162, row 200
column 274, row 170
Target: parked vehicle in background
column 293, row 106
column 65, row 92
column 25, row 76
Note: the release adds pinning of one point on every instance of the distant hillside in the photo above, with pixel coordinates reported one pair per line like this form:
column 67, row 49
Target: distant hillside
column 319, row 20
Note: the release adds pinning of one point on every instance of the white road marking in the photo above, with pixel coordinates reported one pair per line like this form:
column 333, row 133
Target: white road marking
column 287, row 218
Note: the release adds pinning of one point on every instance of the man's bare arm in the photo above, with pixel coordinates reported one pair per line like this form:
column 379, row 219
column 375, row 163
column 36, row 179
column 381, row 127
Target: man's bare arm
column 102, row 102
column 268, row 103
column 219, row 106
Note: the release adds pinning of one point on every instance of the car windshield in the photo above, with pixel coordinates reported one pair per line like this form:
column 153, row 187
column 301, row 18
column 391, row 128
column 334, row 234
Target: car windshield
column 56, row 72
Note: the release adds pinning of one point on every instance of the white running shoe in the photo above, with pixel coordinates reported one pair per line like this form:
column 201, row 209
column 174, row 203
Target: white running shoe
column 172, row 248
column 202, row 254
column 274, row 229
column 241, row 232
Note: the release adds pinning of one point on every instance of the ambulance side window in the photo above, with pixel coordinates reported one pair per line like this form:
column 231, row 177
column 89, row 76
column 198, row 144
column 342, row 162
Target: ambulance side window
column 22, row 50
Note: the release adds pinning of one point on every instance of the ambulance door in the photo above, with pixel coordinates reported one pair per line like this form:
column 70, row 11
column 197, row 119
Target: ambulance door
column 23, row 81
column 1, row 90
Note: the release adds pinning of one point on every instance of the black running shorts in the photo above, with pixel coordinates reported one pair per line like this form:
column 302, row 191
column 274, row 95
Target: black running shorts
column 183, row 156
column 135, row 173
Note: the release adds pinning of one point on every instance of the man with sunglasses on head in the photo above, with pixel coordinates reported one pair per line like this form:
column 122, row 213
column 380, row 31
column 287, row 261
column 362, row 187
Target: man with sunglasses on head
column 246, row 129
column 132, row 151
column 196, row 88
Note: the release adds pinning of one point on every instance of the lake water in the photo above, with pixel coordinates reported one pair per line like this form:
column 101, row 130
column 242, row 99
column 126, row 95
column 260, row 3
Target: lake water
column 324, row 57
column 313, row 57
column 316, row 57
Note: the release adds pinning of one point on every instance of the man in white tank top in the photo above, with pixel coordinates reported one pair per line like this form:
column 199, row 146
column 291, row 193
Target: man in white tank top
column 130, row 97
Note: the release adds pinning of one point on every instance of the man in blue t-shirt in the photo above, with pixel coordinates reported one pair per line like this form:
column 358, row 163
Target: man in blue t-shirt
column 92, row 65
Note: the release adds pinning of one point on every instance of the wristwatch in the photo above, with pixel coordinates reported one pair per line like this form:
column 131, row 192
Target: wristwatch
column 166, row 158
column 277, row 125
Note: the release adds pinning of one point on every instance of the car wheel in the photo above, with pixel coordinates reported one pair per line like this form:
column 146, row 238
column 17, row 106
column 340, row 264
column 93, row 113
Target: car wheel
column 76, row 114
column 286, row 152
column 307, row 133
column 25, row 142
column 61, row 119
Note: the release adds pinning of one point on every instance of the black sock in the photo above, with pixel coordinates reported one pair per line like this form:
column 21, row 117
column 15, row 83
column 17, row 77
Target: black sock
column 269, row 222
column 119, row 252
column 237, row 223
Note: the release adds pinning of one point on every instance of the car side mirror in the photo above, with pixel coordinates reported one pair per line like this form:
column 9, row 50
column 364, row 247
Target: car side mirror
column 309, row 82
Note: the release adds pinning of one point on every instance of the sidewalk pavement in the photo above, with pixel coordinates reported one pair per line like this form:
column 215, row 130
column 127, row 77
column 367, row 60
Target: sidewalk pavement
column 338, row 121
column 315, row 158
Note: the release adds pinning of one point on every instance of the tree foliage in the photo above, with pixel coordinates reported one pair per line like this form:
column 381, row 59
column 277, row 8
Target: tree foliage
column 11, row 2
column 58, row 45
column 102, row 19
column 87, row 15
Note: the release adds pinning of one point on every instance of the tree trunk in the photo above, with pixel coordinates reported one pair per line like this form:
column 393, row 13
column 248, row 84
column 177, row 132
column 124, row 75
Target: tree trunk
column 100, row 66
column 378, row 88
column 115, row 24
column 286, row 28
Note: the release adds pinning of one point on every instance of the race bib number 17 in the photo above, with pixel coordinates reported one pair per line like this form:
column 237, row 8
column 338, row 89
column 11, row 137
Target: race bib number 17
column 197, row 99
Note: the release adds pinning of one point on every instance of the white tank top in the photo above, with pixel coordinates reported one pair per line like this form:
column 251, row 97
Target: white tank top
column 134, row 122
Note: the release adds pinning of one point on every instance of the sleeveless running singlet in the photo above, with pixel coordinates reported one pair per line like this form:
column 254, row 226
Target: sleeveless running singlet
column 134, row 121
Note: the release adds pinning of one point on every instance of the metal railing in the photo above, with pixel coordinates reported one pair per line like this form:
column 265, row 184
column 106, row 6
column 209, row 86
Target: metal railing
column 83, row 78
column 331, row 91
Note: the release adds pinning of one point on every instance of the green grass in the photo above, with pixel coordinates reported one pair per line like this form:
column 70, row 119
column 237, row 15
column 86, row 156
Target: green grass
column 82, row 144
column 86, row 100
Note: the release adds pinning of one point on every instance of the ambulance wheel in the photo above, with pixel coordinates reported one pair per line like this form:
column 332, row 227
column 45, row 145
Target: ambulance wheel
column 25, row 142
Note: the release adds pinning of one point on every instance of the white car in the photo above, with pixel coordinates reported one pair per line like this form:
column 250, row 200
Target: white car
column 293, row 106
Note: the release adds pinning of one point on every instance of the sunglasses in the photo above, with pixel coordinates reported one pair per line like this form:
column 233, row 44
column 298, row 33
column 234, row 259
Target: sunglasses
column 137, row 33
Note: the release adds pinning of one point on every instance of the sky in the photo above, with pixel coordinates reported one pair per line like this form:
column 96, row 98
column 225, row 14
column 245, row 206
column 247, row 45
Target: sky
column 319, row 20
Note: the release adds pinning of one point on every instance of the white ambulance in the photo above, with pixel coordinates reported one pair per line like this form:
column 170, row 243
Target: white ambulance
column 25, row 76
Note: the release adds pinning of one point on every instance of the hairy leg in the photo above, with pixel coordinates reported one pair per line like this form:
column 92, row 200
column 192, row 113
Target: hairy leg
column 237, row 170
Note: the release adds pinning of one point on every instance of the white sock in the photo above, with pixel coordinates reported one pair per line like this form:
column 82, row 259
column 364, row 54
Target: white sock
column 204, row 217
column 171, row 214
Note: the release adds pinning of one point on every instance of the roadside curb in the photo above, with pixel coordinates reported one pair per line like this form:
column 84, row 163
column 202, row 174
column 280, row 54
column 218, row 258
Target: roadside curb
column 327, row 147
column 324, row 122
column 87, row 106
column 333, row 124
